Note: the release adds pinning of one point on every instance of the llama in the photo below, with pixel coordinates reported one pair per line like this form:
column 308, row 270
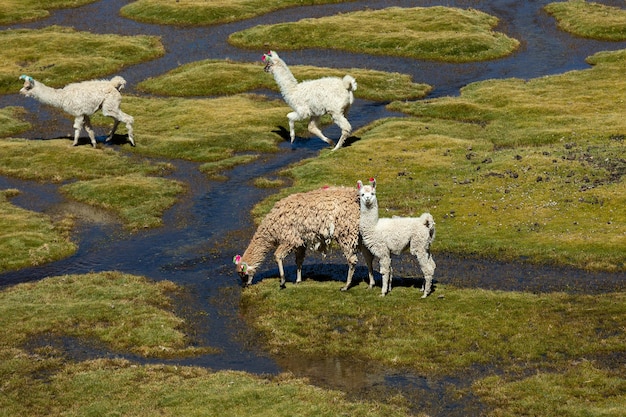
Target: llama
column 81, row 100
column 394, row 235
column 314, row 98
column 310, row 220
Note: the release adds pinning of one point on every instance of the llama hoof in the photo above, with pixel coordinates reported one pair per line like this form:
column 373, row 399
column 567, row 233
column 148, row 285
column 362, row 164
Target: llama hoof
column 343, row 289
column 282, row 286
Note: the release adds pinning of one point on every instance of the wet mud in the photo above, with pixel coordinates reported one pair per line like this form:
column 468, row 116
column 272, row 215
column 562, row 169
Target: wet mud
column 202, row 232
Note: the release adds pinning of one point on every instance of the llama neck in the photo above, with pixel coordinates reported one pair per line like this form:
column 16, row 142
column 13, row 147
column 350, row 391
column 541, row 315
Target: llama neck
column 284, row 78
column 47, row 95
column 369, row 216
column 257, row 250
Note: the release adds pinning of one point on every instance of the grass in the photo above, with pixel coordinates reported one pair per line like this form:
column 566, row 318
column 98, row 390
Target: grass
column 455, row 331
column 139, row 200
column 57, row 161
column 131, row 314
column 10, row 123
column 582, row 389
column 102, row 177
column 200, row 12
column 205, row 130
column 126, row 312
column 58, row 55
column 590, row 20
column 432, row 33
column 28, row 238
column 219, row 77
column 510, row 168
column 14, row 11
column 103, row 387
column 435, row 335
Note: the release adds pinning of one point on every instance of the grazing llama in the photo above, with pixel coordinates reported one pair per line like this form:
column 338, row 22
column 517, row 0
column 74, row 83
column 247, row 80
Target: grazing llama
column 83, row 99
column 302, row 221
column 394, row 235
column 314, row 98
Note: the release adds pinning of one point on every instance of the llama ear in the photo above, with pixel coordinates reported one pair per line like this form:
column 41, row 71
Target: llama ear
column 236, row 259
column 373, row 182
column 359, row 185
column 26, row 78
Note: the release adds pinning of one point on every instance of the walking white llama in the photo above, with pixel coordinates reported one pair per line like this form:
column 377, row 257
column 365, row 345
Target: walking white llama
column 313, row 98
column 83, row 99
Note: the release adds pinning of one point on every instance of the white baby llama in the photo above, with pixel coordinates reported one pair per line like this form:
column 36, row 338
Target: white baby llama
column 394, row 235
column 313, row 98
column 83, row 99
column 302, row 221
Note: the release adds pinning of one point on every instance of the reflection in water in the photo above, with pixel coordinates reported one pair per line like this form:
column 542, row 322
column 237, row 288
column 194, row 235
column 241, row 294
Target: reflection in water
column 195, row 246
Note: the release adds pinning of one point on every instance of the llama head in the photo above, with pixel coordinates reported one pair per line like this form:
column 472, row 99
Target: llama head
column 241, row 267
column 269, row 59
column 367, row 193
column 29, row 83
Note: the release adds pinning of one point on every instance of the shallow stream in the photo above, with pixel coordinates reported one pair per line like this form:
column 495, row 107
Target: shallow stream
column 201, row 233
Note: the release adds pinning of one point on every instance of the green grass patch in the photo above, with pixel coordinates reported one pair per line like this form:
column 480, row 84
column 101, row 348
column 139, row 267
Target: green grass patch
column 201, row 12
column 119, row 183
column 10, row 121
column 510, row 168
column 119, row 387
column 28, row 238
column 139, row 200
column 58, row 161
column 58, row 55
column 218, row 77
column 129, row 313
column 126, row 312
column 581, row 390
column 435, row 335
column 434, row 33
column 213, row 169
column 205, row 130
column 589, row 19
column 13, row 11
column 264, row 182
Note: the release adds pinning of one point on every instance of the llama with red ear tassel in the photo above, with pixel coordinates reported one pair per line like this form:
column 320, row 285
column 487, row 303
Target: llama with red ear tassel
column 311, row 220
column 395, row 235
column 312, row 99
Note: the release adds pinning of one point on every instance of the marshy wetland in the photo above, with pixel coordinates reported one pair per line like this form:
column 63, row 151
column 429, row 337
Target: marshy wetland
column 118, row 295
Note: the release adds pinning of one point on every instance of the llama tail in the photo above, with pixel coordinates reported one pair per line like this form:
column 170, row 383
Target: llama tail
column 349, row 83
column 118, row 82
column 429, row 222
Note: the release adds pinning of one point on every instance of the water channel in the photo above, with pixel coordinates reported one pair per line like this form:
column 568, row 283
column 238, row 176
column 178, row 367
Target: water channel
column 201, row 233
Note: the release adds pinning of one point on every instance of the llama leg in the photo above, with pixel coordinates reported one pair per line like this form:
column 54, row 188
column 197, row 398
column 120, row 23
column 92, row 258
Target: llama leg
column 90, row 131
column 129, row 128
column 78, row 127
column 293, row 117
column 281, row 271
column 385, row 270
column 427, row 265
column 113, row 129
column 120, row 116
column 341, row 121
column 314, row 128
column 281, row 253
column 352, row 260
column 300, row 252
column 369, row 258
